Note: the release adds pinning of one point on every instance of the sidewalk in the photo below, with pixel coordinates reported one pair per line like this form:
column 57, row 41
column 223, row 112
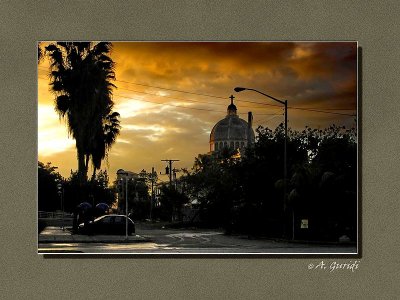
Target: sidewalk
column 53, row 234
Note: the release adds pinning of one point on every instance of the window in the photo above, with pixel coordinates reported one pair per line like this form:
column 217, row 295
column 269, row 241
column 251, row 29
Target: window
column 106, row 220
column 119, row 220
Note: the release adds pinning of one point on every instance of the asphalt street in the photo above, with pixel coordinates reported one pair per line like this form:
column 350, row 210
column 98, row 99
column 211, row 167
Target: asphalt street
column 194, row 241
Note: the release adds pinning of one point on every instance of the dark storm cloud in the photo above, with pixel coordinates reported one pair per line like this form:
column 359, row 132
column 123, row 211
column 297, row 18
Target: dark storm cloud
column 160, row 123
column 311, row 71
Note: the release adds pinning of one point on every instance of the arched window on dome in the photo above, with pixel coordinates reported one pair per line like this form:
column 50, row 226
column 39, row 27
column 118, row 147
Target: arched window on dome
column 237, row 145
column 232, row 145
column 242, row 145
column 226, row 144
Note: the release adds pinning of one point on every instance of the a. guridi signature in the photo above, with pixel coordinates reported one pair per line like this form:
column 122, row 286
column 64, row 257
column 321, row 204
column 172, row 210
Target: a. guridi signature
column 335, row 266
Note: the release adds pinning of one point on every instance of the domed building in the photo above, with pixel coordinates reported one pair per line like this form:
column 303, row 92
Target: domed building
column 232, row 132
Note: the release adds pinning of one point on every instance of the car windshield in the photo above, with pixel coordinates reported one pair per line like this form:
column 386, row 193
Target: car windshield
column 104, row 219
column 99, row 218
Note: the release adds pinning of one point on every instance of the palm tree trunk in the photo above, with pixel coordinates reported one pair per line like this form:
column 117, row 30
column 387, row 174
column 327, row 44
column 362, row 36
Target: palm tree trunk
column 94, row 174
column 82, row 170
column 87, row 156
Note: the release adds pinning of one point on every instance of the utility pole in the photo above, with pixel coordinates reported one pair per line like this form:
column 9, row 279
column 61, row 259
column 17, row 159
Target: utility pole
column 126, row 208
column 169, row 169
column 153, row 178
column 285, row 103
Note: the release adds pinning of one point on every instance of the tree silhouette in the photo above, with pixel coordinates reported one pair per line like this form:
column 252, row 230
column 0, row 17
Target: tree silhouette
column 246, row 194
column 81, row 80
column 48, row 178
column 105, row 137
column 40, row 53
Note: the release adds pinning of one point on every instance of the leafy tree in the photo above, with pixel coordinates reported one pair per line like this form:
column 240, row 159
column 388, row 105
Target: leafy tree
column 336, row 162
column 94, row 191
column 138, row 198
column 171, row 203
column 40, row 53
column 81, row 80
column 213, row 184
column 48, row 178
column 246, row 194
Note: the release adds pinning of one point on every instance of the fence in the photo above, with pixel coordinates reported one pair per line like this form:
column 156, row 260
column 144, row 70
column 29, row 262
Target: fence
column 53, row 215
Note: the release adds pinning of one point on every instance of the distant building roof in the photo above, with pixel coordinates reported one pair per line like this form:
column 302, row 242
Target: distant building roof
column 232, row 128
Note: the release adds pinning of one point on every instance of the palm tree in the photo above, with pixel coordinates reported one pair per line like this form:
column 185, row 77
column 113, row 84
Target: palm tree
column 105, row 137
column 81, row 75
column 40, row 53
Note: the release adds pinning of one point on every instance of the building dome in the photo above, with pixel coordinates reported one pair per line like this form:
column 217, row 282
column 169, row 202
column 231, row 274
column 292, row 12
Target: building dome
column 232, row 132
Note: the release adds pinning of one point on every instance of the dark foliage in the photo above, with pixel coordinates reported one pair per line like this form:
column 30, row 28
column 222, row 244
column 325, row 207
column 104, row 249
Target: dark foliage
column 246, row 194
column 171, row 202
column 73, row 191
column 138, row 198
column 48, row 178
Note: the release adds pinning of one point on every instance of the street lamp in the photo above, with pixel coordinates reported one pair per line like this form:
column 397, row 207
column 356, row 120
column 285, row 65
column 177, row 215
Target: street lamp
column 283, row 102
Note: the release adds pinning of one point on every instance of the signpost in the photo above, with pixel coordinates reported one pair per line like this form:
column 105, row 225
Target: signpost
column 304, row 223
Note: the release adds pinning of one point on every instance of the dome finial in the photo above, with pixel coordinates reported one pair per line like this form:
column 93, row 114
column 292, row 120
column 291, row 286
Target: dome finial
column 232, row 108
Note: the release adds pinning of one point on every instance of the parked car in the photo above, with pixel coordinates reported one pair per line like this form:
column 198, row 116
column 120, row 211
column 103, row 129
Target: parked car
column 108, row 224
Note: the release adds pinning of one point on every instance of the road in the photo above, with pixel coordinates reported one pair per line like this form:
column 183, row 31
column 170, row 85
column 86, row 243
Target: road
column 178, row 241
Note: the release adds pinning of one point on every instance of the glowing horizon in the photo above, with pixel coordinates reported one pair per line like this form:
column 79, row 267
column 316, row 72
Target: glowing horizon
column 161, row 88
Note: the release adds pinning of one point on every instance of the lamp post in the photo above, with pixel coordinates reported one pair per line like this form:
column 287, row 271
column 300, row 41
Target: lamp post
column 153, row 178
column 126, row 208
column 60, row 189
column 126, row 205
column 284, row 103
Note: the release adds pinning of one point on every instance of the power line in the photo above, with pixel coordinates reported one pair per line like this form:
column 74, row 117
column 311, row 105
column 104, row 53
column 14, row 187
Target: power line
column 321, row 111
column 173, row 90
column 188, row 100
column 266, row 121
column 213, row 96
column 313, row 110
column 180, row 106
column 167, row 104
column 169, row 170
column 318, row 110
column 198, row 94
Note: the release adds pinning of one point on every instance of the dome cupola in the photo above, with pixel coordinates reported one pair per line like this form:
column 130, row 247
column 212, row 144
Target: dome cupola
column 232, row 132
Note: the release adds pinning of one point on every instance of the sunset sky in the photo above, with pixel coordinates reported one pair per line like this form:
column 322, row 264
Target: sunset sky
column 170, row 95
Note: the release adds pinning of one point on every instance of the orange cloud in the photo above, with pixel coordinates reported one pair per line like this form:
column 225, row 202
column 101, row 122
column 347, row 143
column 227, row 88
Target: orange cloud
column 159, row 122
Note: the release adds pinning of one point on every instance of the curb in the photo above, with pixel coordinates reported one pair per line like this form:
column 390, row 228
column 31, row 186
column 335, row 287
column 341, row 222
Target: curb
column 63, row 239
